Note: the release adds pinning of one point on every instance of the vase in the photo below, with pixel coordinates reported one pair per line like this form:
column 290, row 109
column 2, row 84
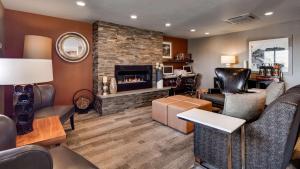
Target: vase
column 160, row 84
column 113, row 86
column 159, row 79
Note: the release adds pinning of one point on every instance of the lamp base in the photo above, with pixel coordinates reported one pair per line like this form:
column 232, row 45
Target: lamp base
column 228, row 65
column 23, row 108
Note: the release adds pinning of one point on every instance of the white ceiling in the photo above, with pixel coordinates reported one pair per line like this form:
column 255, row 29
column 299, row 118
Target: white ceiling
column 203, row 15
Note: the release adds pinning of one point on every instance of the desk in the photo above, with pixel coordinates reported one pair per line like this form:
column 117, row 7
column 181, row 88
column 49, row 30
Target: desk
column 170, row 81
column 46, row 132
column 220, row 122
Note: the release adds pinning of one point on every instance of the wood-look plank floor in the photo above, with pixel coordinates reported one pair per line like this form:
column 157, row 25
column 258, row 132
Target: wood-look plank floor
column 130, row 140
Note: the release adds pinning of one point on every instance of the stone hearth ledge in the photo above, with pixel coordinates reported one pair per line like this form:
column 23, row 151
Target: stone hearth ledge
column 115, row 103
column 132, row 92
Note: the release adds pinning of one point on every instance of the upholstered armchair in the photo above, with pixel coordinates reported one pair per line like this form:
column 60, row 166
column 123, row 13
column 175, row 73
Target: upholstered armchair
column 230, row 80
column 270, row 140
column 44, row 105
column 35, row 157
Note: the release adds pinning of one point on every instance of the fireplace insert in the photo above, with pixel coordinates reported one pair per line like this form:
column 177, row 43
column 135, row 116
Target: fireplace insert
column 133, row 77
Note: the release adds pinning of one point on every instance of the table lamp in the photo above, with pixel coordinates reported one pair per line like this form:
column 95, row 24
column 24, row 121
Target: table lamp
column 35, row 67
column 228, row 60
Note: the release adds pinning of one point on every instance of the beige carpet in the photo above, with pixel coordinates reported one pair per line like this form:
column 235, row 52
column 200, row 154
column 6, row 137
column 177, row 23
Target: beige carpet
column 130, row 140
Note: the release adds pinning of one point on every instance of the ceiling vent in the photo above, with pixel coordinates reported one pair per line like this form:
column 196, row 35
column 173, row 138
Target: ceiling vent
column 245, row 18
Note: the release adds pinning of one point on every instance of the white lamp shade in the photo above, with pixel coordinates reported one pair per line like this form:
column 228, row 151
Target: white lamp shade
column 228, row 59
column 25, row 71
column 37, row 47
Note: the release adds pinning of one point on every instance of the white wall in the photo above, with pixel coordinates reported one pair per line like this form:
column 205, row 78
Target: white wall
column 207, row 51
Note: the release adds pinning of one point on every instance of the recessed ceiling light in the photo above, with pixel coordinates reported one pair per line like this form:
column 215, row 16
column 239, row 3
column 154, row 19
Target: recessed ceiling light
column 193, row 30
column 80, row 3
column 206, row 33
column 133, row 16
column 269, row 13
column 168, row 24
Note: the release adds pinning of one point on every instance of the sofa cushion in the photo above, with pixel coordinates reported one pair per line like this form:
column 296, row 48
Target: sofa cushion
column 64, row 158
column 43, row 96
column 274, row 90
column 246, row 106
column 63, row 111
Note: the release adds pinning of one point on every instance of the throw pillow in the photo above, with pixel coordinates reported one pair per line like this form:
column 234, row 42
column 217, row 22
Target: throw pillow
column 274, row 90
column 246, row 106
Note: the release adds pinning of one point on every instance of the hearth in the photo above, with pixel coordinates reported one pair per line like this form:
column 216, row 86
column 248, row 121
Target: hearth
column 133, row 77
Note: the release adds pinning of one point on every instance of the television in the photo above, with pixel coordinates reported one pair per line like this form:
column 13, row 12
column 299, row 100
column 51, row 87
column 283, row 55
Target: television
column 188, row 69
column 168, row 70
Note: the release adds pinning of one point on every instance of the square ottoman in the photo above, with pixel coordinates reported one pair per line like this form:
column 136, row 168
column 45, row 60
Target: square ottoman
column 203, row 104
column 160, row 109
column 179, row 97
column 176, row 123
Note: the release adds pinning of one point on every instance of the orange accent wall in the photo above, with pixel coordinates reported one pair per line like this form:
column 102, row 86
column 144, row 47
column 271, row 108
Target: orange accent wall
column 68, row 77
column 179, row 45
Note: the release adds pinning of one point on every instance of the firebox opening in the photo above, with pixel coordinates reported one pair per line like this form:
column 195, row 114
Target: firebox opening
column 133, row 77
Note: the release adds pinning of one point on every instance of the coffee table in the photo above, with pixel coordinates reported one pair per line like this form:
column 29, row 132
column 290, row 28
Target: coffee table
column 46, row 132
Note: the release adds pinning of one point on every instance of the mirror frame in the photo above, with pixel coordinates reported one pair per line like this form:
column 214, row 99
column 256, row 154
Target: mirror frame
column 61, row 53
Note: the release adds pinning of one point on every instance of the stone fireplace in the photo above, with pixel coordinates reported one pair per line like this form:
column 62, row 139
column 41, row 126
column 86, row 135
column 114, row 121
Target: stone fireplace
column 115, row 45
column 129, row 54
column 133, row 77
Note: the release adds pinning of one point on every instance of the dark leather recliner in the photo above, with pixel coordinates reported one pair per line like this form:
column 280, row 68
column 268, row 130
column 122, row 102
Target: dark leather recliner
column 35, row 157
column 230, row 80
column 44, row 105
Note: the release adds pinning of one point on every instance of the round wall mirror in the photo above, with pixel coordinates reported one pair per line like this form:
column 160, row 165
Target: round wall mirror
column 72, row 47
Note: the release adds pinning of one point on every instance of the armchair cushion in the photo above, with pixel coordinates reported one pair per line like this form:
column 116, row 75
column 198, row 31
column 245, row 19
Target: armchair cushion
column 64, row 158
column 216, row 99
column 43, row 96
column 247, row 106
column 8, row 133
column 232, row 80
column 27, row 157
column 63, row 111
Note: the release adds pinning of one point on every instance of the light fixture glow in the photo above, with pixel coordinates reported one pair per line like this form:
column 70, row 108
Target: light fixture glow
column 269, row 13
column 168, row 24
column 133, row 16
column 193, row 30
column 207, row 33
column 80, row 3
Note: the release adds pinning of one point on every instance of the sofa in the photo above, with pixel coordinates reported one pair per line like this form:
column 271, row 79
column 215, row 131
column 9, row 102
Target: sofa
column 44, row 105
column 35, row 157
column 270, row 139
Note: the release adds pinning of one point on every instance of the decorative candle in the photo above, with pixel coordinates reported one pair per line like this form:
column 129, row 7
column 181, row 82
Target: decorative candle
column 104, row 79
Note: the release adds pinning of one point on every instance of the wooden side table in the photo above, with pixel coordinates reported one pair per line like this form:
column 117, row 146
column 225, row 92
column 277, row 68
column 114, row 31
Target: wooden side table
column 46, row 132
column 220, row 122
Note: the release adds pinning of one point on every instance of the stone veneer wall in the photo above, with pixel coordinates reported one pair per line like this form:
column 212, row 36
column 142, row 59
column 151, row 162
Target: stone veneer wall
column 123, row 45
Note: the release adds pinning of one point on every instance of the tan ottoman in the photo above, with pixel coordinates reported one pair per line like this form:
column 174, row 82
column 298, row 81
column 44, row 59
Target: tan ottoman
column 179, row 97
column 176, row 123
column 160, row 109
column 203, row 104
